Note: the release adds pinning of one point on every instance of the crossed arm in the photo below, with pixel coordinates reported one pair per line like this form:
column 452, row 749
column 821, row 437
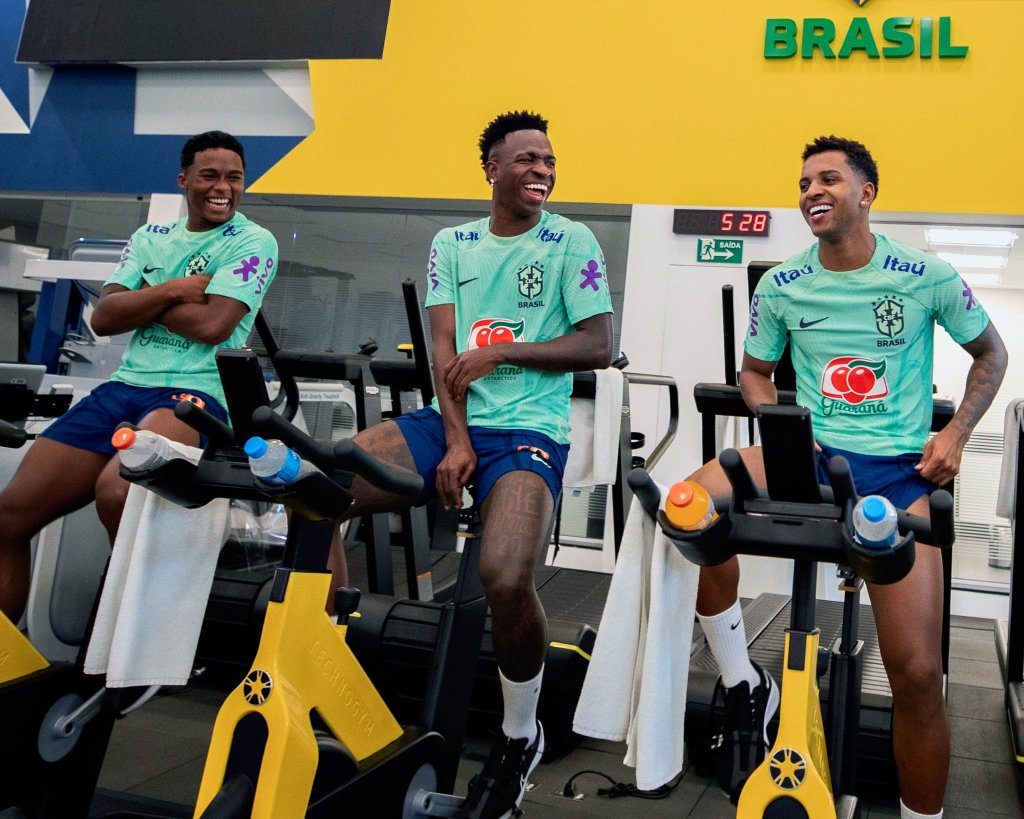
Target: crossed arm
column 589, row 347
column 180, row 305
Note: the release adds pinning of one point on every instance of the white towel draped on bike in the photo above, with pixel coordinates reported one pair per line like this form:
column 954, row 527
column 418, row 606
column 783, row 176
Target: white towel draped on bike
column 635, row 688
column 594, row 433
column 157, row 585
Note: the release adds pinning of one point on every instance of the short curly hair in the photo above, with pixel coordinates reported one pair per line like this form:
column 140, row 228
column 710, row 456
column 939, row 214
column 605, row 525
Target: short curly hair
column 503, row 125
column 207, row 140
column 856, row 154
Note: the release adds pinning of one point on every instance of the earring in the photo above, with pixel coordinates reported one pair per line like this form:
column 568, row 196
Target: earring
column 491, row 182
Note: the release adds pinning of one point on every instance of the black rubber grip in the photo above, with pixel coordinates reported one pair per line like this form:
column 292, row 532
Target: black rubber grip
column 940, row 506
column 11, row 436
column 841, row 479
column 939, row 530
column 736, row 471
column 349, row 455
column 273, row 425
column 646, row 491
column 343, row 455
column 204, row 423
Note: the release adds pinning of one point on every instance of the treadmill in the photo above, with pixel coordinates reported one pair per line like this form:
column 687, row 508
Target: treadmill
column 1010, row 638
column 767, row 616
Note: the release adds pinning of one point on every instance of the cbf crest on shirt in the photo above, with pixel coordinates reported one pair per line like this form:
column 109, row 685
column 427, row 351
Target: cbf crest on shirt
column 241, row 258
column 528, row 288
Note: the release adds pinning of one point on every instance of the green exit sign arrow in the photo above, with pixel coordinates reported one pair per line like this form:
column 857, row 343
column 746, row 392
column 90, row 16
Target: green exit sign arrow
column 720, row 251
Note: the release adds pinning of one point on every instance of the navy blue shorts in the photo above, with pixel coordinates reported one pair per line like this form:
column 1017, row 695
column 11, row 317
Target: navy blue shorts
column 498, row 452
column 91, row 422
column 891, row 476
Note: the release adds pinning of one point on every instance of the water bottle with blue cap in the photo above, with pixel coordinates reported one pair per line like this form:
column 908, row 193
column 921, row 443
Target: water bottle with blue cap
column 275, row 463
column 874, row 522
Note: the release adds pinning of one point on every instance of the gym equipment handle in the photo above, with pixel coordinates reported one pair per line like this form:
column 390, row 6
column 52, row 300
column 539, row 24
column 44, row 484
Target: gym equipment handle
column 939, row 531
column 204, row 423
column 646, row 491
column 349, row 455
column 936, row 530
column 344, row 455
column 11, row 436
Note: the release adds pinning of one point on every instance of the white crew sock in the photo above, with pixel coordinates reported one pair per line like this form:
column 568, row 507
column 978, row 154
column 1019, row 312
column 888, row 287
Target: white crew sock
column 907, row 813
column 728, row 641
column 520, row 719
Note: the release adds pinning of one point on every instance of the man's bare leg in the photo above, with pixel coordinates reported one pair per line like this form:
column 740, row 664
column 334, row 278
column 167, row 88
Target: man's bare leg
column 908, row 616
column 53, row 480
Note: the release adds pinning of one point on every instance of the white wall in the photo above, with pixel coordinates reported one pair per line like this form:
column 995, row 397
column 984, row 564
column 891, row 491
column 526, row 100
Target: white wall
column 672, row 325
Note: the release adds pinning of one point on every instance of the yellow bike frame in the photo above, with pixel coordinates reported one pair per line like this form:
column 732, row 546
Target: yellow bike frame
column 303, row 664
column 797, row 765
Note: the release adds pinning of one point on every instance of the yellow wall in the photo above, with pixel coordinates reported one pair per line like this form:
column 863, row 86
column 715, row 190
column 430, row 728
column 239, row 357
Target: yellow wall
column 668, row 102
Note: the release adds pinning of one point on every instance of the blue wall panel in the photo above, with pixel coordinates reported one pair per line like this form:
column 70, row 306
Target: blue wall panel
column 83, row 140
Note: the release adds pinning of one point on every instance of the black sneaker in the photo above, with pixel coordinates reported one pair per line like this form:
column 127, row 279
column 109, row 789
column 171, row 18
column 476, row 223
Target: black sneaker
column 498, row 789
column 743, row 737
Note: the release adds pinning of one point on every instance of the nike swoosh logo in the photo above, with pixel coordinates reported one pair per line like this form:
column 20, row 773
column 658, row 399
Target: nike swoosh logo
column 804, row 323
column 735, row 625
column 147, row 269
column 467, row 281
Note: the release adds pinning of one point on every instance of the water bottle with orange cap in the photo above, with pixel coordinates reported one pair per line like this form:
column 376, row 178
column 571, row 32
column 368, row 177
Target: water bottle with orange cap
column 142, row 448
column 689, row 507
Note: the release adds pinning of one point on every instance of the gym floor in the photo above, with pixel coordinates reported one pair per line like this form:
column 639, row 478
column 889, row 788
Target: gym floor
column 157, row 754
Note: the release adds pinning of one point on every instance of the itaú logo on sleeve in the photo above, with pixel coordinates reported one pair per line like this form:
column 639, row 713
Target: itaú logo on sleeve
column 896, row 37
column 852, row 384
column 489, row 331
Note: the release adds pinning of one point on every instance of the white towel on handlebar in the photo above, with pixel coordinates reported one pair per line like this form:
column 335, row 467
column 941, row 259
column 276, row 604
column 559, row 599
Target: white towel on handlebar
column 635, row 688
column 595, row 429
column 156, row 589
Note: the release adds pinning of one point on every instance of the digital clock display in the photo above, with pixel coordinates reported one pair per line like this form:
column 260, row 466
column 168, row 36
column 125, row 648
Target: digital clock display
column 721, row 222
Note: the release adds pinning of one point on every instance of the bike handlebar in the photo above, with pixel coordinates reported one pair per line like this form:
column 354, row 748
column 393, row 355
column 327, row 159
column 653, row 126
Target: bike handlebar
column 344, row 455
column 11, row 436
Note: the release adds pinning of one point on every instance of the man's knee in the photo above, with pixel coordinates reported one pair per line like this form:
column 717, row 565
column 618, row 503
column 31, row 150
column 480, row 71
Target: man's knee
column 507, row 565
column 916, row 679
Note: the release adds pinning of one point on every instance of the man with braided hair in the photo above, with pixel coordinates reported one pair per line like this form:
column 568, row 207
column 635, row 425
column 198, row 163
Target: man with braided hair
column 517, row 301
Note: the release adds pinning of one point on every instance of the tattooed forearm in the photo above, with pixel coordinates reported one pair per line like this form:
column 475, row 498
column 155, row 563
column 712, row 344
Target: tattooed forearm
column 983, row 378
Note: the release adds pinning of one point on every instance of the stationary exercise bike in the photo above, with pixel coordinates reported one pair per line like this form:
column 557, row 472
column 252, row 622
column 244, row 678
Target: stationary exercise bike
column 803, row 776
column 306, row 733
column 55, row 721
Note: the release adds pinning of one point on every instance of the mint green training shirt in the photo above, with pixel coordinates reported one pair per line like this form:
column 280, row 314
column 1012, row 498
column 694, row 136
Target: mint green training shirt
column 240, row 256
column 533, row 287
column 862, row 341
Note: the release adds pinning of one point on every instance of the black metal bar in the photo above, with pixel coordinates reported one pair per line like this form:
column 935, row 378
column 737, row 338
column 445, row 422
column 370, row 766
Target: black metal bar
column 289, row 388
column 420, row 353
column 673, row 410
column 618, row 492
column 843, row 715
column 729, row 335
column 802, row 607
